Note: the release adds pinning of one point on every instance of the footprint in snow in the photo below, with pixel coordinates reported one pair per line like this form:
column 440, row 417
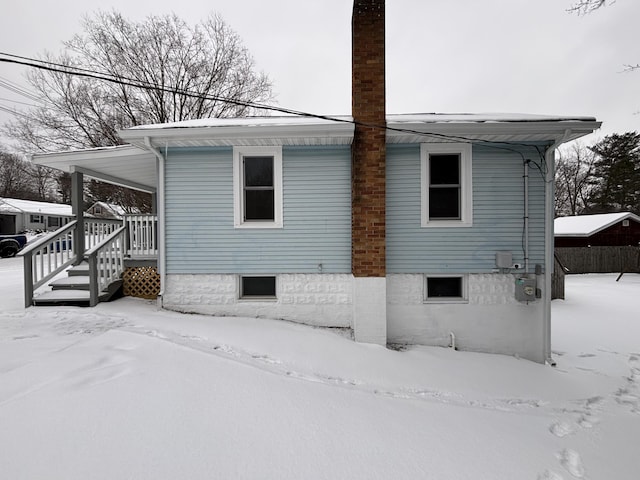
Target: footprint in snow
column 587, row 420
column 25, row 337
column 550, row 475
column 571, row 461
column 625, row 396
column 561, row 429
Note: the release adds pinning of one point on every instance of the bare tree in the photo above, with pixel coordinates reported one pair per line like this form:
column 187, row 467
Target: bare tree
column 43, row 180
column 587, row 6
column 574, row 171
column 14, row 176
column 180, row 71
column 584, row 7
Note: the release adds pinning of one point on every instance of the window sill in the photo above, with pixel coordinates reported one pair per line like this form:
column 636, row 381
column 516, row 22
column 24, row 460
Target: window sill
column 258, row 225
column 447, row 224
column 444, row 300
column 258, row 299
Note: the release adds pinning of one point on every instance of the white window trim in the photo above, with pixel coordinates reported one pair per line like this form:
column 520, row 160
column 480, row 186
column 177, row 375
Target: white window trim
column 466, row 187
column 465, row 288
column 238, row 197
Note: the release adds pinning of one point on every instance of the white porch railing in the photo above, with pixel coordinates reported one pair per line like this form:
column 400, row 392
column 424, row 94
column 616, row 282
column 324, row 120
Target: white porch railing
column 47, row 257
column 96, row 230
column 106, row 263
column 107, row 242
column 142, row 235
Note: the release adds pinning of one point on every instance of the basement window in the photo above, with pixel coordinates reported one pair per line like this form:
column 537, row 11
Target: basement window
column 257, row 178
column 446, row 289
column 258, row 287
column 446, row 188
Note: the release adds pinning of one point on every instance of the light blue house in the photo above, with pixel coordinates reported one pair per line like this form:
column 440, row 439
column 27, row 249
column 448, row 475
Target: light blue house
column 233, row 243
column 413, row 229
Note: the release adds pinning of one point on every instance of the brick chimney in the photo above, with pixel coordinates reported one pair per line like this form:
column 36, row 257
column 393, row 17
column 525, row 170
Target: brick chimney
column 368, row 183
column 368, row 149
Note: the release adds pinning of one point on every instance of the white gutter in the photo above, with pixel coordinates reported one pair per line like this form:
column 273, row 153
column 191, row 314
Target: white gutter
column 526, row 216
column 550, row 160
column 162, row 262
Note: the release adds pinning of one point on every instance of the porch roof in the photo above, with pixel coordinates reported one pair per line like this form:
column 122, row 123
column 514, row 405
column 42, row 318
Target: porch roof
column 125, row 165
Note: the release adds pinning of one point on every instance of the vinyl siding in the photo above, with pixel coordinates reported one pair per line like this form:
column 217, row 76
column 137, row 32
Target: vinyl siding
column 200, row 234
column 498, row 209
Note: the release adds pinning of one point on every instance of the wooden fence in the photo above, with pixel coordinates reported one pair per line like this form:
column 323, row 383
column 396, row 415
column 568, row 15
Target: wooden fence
column 600, row 259
column 557, row 280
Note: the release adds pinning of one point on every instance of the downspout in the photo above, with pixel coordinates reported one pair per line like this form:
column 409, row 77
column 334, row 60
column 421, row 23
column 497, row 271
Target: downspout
column 160, row 161
column 526, row 216
column 549, row 242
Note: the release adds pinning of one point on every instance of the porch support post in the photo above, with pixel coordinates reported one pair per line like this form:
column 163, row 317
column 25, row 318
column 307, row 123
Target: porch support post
column 154, row 203
column 77, row 207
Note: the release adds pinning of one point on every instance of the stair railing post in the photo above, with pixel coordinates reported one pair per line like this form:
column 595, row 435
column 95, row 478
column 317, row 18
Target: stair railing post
column 93, row 279
column 28, row 280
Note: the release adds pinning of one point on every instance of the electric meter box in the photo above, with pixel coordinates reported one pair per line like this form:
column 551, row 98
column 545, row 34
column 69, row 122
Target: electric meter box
column 525, row 289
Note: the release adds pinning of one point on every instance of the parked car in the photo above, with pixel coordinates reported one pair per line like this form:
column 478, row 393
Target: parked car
column 11, row 244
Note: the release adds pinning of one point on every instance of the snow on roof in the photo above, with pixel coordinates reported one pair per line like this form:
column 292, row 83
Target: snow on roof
column 114, row 208
column 246, row 122
column 12, row 205
column 292, row 120
column 587, row 225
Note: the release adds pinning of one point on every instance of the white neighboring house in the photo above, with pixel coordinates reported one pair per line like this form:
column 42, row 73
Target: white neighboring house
column 107, row 210
column 21, row 215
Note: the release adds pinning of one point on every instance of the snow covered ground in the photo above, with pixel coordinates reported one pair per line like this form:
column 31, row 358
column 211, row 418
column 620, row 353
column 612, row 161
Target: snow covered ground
column 124, row 391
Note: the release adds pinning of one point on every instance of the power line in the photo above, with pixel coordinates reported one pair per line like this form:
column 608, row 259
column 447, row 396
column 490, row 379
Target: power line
column 87, row 73
column 18, row 101
column 15, row 88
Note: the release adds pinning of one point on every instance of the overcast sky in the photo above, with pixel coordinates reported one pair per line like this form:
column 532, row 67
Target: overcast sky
column 452, row 56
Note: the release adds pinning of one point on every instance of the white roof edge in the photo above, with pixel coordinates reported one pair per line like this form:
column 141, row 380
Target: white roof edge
column 608, row 219
column 114, row 151
column 552, row 128
column 298, row 128
column 17, row 205
column 231, row 131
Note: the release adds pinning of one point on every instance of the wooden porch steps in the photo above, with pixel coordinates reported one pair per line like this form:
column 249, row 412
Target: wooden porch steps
column 74, row 289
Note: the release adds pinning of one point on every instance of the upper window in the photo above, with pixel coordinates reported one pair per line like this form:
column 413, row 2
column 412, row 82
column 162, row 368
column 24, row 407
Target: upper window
column 446, row 184
column 257, row 187
column 36, row 219
column 53, row 221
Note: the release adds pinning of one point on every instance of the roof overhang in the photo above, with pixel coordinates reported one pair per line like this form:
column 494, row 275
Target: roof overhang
column 252, row 131
column 338, row 130
column 126, row 165
column 134, row 165
column 488, row 128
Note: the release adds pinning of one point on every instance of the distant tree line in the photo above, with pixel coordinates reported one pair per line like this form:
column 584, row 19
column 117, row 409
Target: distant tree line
column 602, row 178
column 21, row 179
